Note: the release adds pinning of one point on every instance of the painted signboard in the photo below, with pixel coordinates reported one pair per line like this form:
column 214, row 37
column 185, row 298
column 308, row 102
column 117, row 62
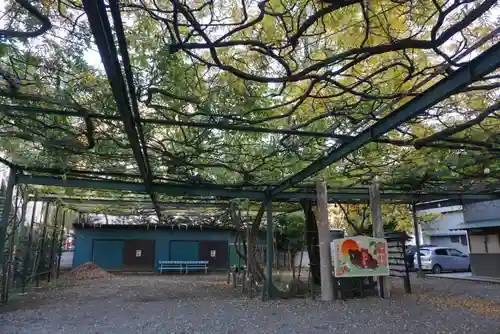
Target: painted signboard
column 360, row 256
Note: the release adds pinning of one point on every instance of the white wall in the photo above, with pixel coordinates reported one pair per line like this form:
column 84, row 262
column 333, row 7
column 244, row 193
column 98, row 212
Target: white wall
column 440, row 232
column 446, row 221
column 305, row 258
column 451, row 242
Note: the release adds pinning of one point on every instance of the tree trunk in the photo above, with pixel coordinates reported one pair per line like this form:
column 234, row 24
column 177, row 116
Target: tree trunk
column 237, row 222
column 291, row 262
column 300, row 263
column 312, row 239
column 253, row 266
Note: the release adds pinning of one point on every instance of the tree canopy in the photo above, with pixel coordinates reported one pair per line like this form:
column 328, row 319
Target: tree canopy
column 246, row 93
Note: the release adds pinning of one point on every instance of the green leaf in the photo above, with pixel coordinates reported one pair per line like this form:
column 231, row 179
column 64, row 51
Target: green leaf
column 4, row 48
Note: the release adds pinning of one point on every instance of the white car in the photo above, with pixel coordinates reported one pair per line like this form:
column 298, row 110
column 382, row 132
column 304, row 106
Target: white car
column 439, row 259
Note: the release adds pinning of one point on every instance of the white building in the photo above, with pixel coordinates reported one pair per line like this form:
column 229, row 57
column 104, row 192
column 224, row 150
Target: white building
column 441, row 232
column 303, row 257
column 482, row 222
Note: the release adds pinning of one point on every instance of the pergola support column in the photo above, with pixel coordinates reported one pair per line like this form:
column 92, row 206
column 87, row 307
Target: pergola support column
column 53, row 243
column 7, row 208
column 61, row 242
column 325, row 255
column 416, row 232
column 384, row 287
column 28, row 247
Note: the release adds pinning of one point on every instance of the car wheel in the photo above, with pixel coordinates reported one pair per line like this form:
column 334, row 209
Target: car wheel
column 437, row 269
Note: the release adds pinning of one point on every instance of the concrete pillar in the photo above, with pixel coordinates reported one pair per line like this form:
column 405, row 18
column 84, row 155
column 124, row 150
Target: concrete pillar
column 378, row 231
column 416, row 231
column 325, row 255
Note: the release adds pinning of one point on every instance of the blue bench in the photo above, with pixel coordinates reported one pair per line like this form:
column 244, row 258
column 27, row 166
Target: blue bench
column 182, row 266
column 170, row 266
column 196, row 265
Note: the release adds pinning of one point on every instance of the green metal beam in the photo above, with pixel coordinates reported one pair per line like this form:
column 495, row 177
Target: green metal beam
column 477, row 68
column 123, row 91
column 145, row 204
column 181, row 190
column 170, row 122
column 125, row 202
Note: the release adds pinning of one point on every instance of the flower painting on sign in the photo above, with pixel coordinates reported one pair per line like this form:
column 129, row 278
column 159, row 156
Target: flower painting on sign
column 360, row 256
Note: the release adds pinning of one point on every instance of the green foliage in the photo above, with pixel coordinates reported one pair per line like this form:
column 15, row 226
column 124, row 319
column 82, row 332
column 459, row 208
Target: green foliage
column 301, row 65
column 291, row 232
column 357, row 218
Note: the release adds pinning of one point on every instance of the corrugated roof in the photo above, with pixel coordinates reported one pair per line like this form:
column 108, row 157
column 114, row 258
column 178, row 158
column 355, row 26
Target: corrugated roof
column 478, row 224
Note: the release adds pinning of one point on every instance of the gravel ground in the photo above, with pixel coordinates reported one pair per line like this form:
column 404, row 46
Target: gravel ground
column 205, row 304
column 458, row 288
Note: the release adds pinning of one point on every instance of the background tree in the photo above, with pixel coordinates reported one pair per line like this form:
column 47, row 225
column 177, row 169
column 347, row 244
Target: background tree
column 291, row 236
column 357, row 218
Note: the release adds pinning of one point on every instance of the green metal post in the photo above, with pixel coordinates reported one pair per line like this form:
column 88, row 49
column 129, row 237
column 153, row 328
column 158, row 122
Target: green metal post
column 27, row 251
column 10, row 271
column 269, row 251
column 41, row 246
column 416, row 231
column 7, row 208
column 53, row 243
column 61, row 236
column 19, row 241
column 7, row 267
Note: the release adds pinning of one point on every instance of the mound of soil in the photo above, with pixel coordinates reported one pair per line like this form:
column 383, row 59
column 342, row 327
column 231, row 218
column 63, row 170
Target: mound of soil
column 297, row 288
column 87, row 271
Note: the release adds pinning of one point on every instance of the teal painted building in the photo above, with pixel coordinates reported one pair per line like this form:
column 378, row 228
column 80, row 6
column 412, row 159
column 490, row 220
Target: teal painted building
column 139, row 248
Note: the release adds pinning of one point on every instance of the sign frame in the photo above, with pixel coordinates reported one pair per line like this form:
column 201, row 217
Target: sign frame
column 366, row 252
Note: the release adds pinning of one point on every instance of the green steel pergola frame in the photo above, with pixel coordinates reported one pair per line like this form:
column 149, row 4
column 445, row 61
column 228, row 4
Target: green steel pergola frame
column 120, row 77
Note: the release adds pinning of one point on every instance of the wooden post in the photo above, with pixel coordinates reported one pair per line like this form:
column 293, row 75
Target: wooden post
column 416, row 231
column 378, row 230
column 250, row 285
column 249, row 249
column 407, row 273
column 325, row 257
